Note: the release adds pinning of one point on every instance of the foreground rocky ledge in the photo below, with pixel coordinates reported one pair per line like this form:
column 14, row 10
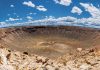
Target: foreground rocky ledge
column 87, row 59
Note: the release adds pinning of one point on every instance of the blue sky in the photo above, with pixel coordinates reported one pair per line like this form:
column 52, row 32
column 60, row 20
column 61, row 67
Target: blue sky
column 17, row 11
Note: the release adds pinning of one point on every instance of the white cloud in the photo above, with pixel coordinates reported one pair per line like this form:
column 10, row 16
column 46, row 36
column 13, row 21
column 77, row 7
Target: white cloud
column 17, row 16
column 93, row 21
column 12, row 6
column 2, row 23
column 29, row 3
column 8, row 14
column 63, row 2
column 32, row 13
column 49, row 17
column 77, row 10
column 99, row 6
column 54, row 21
column 14, row 19
column 87, row 22
column 14, row 13
column 29, row 18
column 95, row 12
column 71, row 21
column 41, row 8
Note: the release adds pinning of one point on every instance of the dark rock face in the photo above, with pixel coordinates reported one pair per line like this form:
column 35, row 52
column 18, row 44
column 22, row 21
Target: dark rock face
column 49, row 41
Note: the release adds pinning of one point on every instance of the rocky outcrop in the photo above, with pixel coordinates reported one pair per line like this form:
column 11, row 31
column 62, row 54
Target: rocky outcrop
column 87, row 59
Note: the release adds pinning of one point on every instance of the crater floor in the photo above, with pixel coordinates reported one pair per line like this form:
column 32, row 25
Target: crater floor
column 48, row 41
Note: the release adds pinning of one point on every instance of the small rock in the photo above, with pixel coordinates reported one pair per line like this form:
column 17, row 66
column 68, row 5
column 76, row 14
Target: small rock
column 79, row 49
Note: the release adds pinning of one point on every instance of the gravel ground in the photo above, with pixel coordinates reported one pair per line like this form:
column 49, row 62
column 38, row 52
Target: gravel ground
column 87, row 59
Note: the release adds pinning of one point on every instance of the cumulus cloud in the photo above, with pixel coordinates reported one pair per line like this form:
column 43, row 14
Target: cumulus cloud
column 77, row 10
column 93, row 21
column 14, row 13
column 29, row 3
column 63, row 2
column 49, row 17
column 41, row 8
column 89, row 21
column 95, row 15
column 29, row 18
column 95, row 12
column 31, row 13
column 12, row 6
column 13, row 19
column 8, row 14
column 2, row 23
column 69, row 21
column 54, row 21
